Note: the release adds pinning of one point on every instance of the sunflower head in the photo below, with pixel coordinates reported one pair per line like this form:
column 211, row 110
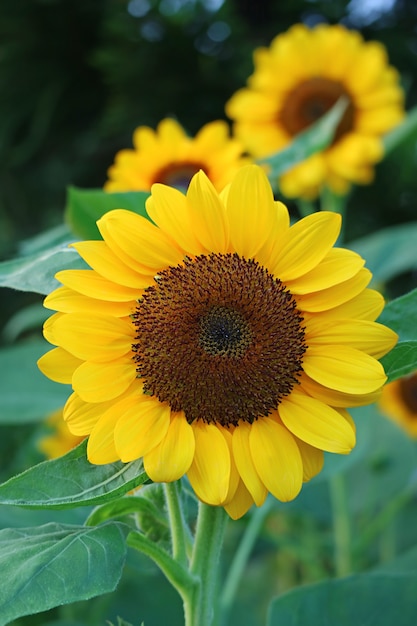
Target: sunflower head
column 217, row 341
column 298, row 79
column 399, row 402
column 169, row 156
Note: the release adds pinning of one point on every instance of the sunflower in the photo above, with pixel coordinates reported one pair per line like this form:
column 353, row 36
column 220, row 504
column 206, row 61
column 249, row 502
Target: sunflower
column 217, row 341
column 169, row 156
column 60, row 439
column 399, row 402
column 298, row 79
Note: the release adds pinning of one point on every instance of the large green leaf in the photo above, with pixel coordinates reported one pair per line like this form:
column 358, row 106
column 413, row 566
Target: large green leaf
column 317, row 137
column 389, row 252
column 35, row 272
column 71, row 481
column 400, row 315
column 56, row 564
column 86, row 206
column 381, row 598
column 26, row 395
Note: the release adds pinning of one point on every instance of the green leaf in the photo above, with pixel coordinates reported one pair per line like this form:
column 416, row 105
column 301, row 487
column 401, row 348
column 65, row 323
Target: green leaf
column 56, row 564
column 35, row 272
column 26, row 395
column 380, row 598
column 86, row 206
column 71, row 481
column 400, row 315
column 26, row 319
column 317, row 137
column 125, row 506
column 389, row 252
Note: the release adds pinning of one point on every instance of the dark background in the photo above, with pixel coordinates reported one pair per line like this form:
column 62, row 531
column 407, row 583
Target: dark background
column 77, row 76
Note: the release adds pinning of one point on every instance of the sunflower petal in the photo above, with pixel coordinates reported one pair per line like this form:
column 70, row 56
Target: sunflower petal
column 241, row 502
column 98, row 382
column 208, row 214
column 277, row 458
column 172, row 457
column 245, row 464
column 141, row 426
column 316, row 423
column 59, row 365
column 209, row 473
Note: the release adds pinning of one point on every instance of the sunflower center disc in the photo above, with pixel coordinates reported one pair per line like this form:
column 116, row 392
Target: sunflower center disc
column 408, row 389
column 177, row 175
column 219, row 338
column 310, row 100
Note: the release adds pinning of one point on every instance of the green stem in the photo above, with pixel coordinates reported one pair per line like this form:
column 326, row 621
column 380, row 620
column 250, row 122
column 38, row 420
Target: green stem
column 177, row 522
column 341, row 525
column 241, row 558
column 335, row 203
column 200, row 607
column 183, row 581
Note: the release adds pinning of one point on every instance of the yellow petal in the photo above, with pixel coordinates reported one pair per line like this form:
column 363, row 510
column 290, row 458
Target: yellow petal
column 313, row 460
column 81, row 417
column 143, row 242
column 370, row 337
column 209, row 473
column 308, row 242
column 316, row 423
column 335, row 296
column 245, row 465
column 103, row 260
column 98, row 382
column 169, row 209
column 367, row 305
column 336, row 267
column 277, row 458
column 91, row 284
column 100, row 448
column 208, row 214
column 59, row 365
column 344, row 368
column 336, row 398
column 241, row 502
column 234, row 474
column 90, row 337
column 142, row 425
column 250, row 210
column 172, row 457
column 69, row 301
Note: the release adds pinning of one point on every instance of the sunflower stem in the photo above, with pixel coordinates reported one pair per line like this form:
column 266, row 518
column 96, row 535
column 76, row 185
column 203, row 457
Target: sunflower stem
column 179, row 577
column 241, row 558
column 200, row 607
column 341, row 525
column 177, row 522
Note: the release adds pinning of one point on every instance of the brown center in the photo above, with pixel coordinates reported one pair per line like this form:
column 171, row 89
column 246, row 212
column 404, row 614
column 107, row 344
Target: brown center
column 310, row 100
column 408, row 390
column 219, row 338
column 177, row 175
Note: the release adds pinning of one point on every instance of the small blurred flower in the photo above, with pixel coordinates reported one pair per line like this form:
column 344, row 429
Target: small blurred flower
column 399, row 402
column 298, row 79
column 169, row 156
column 218, row 341
column 60, row 440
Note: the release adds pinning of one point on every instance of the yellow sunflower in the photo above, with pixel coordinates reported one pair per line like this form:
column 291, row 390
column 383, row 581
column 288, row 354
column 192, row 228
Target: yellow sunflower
column 169, row 156
column 399, row 402
column 218, row 341
column 298, row 79
column 60, row 440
